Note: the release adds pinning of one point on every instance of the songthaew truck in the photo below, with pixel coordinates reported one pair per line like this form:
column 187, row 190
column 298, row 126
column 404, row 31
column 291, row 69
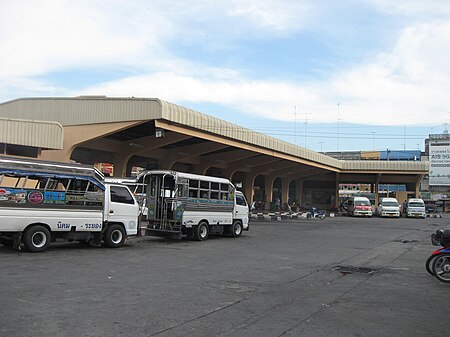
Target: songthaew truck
column 182, row 204
column 41, row 202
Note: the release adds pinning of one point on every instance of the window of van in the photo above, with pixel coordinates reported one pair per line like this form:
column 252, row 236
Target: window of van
column 390, row 203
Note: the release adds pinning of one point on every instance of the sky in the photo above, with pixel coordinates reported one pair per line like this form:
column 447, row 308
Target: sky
column 326, row 75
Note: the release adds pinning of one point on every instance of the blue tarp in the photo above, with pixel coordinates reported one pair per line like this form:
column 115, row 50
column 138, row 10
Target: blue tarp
column 21, row 173
column 400, row 155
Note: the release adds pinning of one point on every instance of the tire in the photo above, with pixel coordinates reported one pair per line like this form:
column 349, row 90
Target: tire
column 429, row 264
column 441, row 267
column 37, row 238
column 201, row 232
column 114, row 236
column 322, row 216
column 236, row 229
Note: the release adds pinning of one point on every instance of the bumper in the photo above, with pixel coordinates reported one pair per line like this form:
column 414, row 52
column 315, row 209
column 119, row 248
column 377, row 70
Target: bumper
column 416, row 215
column 363, row 213
column 391, row 214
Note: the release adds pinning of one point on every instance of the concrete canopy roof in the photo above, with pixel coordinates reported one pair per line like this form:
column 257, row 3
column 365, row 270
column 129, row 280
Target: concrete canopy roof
column 85, row 110
column 46, row 135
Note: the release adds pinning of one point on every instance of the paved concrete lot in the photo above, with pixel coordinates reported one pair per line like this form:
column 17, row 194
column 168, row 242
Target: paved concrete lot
column 278, row 279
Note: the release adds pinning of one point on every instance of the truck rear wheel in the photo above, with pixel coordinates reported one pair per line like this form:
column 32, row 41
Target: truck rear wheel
column 236, row 229
column 114, row 236
column 201, row 232
column 37, row 238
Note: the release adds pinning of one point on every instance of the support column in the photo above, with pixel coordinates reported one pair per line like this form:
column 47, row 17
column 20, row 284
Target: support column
column 58, row 155
column 120, row 164
column 377, row 187
column 248, row 187
column 284, row 191
column 336, row 194
column 268, row 189
column 418, row 188
column 299, row 192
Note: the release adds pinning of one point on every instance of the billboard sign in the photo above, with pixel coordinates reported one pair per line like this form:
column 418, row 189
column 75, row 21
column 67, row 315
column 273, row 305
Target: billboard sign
column 439, row 164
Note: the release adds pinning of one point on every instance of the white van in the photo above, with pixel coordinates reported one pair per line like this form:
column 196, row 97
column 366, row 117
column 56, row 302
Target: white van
column 415, row 208
column 45, row 201
column 389, row 207
column 359, row 206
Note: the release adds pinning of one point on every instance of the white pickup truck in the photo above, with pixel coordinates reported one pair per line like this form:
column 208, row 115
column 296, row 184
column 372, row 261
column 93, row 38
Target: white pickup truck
column 41, row 202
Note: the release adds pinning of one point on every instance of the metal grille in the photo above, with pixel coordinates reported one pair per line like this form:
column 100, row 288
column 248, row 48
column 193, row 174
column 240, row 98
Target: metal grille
column 355, row 270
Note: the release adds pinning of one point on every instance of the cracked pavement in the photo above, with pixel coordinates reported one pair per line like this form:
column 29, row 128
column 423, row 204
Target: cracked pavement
column 278, row 279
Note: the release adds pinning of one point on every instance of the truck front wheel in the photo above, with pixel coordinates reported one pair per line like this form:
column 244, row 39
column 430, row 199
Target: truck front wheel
column 37, row 238
column 114, row 236
column 237, row 229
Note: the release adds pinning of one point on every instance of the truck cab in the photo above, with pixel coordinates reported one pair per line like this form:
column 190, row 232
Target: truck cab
column 241, row 211
column 121, row 207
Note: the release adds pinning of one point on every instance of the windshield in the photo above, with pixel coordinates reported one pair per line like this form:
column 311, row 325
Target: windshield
column 362, row 203
column 416, row 204
column 390, row 203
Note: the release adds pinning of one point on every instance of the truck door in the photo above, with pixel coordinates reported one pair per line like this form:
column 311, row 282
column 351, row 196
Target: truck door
column 241, row 209
column 122, row 207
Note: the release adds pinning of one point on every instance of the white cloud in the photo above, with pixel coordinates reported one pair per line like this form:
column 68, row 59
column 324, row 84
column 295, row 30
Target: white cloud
column 434, row 8
column 39, row 37
column 277, row 15
column 405, row 85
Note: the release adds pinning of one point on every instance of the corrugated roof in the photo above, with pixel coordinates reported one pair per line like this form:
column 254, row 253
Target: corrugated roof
column 100, row 109
column 385, row 166
column 193, row 119
column 47, row 135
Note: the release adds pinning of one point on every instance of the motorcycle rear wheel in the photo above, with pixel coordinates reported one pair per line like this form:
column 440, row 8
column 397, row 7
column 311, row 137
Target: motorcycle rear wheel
column 441, row 267
column 429, row 264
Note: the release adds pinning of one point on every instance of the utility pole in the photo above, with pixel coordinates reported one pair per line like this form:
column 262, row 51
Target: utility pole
column 373, row 140
column 387, row 157
column 306, row 124
column 295, row 124
column 404, row 138
column 338, row 119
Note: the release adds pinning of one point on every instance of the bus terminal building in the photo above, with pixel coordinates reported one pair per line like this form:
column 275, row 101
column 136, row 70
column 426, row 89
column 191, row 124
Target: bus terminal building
column 154, row 134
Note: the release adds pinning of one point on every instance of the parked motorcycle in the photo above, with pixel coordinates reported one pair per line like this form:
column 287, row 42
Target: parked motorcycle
column 315, row 213
column 438, row 264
